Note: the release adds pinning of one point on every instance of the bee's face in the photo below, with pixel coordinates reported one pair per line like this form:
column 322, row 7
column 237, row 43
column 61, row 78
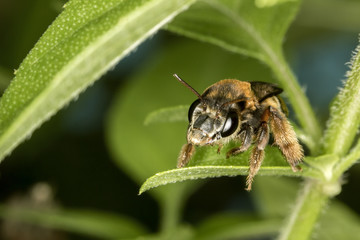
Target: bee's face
column 208, row 124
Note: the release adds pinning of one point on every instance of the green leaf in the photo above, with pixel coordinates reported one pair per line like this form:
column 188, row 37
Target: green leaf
column 170, row 114
column 206, row 163
column 270, row 3
column 238, row 26
column 138, row 149
column 143, row 150
column 332, row 228
column 241, row 27
column 202, row 172
column 87, row 39
column 95, row 224
column 182, row 232
column 345, row 113
column 236, row 226
column 274, row 196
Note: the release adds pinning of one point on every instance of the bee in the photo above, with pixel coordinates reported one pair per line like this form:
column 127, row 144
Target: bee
column 244, row 111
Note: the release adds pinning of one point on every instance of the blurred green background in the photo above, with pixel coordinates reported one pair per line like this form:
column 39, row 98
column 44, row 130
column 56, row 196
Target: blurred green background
column 74, row 153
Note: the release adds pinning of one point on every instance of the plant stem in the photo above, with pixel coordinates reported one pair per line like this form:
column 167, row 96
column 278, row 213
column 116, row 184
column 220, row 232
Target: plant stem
column 170, row 217
column 309, row 204
column 171, row 209
column 297, row 98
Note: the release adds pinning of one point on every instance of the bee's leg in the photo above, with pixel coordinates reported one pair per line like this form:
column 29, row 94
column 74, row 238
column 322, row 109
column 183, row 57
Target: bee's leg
column 256, row 159
column 246, row 135
column 186, row 152
column 285, row 138
column 258, row 153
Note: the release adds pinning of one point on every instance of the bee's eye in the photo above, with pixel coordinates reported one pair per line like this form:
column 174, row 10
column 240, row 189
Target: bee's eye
column 231, row 124
column 192, row 108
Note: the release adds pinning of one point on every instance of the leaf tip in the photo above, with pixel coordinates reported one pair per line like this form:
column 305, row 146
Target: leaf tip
column 142, row 189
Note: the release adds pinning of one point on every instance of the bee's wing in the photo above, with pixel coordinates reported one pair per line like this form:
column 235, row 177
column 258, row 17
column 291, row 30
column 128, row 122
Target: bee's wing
column 264, row 90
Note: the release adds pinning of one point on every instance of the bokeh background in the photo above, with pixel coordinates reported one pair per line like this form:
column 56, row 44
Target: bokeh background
column 70, row 157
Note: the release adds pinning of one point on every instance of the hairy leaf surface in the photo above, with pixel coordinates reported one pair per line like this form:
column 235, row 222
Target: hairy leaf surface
column 86, row 39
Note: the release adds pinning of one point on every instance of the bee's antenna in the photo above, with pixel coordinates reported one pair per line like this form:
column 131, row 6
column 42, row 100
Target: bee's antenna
column 187, row 85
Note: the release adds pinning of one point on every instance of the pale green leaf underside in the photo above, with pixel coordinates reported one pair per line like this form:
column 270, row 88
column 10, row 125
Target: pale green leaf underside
column 90, row 223
column 238, row 26
column 201, row 172
column 87, row 39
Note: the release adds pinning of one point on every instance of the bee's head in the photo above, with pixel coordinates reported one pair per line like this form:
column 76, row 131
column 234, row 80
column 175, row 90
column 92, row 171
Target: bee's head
column 211, row 120
column 208, row 124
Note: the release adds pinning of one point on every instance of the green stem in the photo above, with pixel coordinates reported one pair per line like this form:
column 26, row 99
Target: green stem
column 169, row 217
column 171, row 209
column 296, row 96
column 310, row 202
